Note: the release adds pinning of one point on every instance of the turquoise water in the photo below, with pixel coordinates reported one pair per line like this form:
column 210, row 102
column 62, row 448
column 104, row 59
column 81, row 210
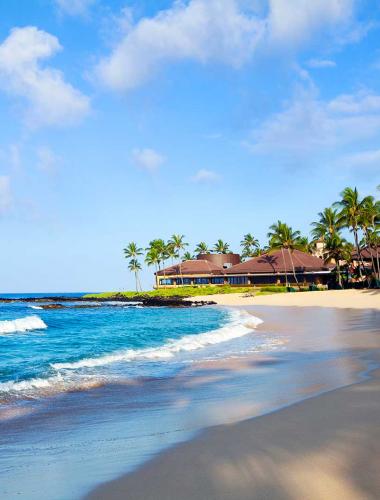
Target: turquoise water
column 54, row 350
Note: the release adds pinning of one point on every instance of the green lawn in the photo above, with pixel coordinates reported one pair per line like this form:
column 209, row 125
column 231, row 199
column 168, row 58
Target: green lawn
column 190, row 291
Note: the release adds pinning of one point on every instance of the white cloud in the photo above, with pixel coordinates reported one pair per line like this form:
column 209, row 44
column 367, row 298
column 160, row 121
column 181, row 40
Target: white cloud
column 5, row 194
column 205, row 176
column 216, row 31
column 47, row 160
column 310, row 124
column 50, row 99
column 321, row 63
column 74, row 7
column 147, row 159
column 201, row 30
column 296, row 21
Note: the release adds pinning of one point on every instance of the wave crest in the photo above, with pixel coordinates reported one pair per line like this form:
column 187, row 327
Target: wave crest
column 22, row 324
column 241, row 324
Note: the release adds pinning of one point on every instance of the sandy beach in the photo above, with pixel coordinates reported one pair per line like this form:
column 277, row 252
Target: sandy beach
column 356, row 299
column 323, row 447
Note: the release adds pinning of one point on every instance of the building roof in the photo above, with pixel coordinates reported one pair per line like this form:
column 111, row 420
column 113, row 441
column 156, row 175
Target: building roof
column 199, row 266
column 273, row 262
column 366, row 253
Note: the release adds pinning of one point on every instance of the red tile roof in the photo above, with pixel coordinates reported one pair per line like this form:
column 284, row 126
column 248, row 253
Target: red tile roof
column 273, row 262
column 198, row 266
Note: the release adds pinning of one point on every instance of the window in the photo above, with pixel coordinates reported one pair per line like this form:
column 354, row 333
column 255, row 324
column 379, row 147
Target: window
column 201, row 281
column 238, row 280
column 166, row 282
column 217, row 281
column 183, row 281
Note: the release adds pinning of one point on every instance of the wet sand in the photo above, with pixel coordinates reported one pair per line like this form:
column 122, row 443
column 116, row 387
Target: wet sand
column 326, row 446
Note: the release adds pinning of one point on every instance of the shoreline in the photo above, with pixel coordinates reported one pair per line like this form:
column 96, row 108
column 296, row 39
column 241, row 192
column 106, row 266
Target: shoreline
column 324, row 446
column 342, row 299
column 321, row 448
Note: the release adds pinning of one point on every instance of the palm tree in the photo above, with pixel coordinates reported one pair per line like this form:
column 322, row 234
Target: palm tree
column 369, row 221
column 131, row 251
column 172, row 252
column 179, row 245
column 202, row 248
column 374, row 242
column 221, row 247
column 281, row 236
column 328, row 224
column 152, row 258
column 249, row 245
column 352, row 209
column 134, row 266
column 337, row 249
column 187, row 256
column 305, row 245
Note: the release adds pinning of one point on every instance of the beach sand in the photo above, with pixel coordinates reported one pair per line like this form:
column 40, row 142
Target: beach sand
column 324, row 447
column 355, row 299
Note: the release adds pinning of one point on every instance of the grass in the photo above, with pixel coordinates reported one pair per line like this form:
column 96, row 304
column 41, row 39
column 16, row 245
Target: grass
column 191, row 291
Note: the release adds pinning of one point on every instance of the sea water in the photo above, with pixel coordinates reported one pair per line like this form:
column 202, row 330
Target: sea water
column 53, row 350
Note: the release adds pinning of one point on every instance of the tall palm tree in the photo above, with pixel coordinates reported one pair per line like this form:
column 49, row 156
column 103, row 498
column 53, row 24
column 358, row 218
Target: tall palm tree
column 281, row 236
column 374, row 242
column 337, row 249
column 249, row 245
column 329, row 223
column 131, row 251
column 178, row 243
column 135, row 266
column 202, row 248
column 369, row 221
column 221, row 247
column 187, row 256
column 351, row 211
column 152, row 258
column 172, row 252
column 305, row 245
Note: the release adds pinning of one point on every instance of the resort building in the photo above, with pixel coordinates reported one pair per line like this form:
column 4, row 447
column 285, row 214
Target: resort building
column 278, row 267
column 226, row 269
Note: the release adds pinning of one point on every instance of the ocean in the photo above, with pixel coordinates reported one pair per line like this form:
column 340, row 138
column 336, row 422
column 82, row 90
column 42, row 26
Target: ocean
column 46, row 352
column 88, row 393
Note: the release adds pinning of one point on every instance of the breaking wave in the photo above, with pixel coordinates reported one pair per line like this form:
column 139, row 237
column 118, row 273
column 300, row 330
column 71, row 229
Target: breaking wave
column 21, row 325
column 241, row 324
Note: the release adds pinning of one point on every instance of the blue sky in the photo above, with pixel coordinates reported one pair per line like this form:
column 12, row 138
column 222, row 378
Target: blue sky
column 131, row 120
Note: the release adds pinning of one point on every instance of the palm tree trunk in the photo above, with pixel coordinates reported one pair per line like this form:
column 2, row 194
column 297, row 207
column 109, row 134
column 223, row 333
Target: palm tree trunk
column 286, row 276
column 137, row 290
column 370, row 251
column 338, row 273
column 294, row 271
column 361, row 263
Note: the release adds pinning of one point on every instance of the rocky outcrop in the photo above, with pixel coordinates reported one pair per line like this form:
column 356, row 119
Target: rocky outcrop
column 60, row 302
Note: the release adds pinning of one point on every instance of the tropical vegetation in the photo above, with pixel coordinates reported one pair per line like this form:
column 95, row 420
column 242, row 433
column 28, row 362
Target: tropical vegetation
column 350, row 214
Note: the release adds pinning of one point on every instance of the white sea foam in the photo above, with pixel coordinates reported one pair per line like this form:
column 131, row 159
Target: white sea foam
column 36, row 307
column 241, row 324
column 21, row 325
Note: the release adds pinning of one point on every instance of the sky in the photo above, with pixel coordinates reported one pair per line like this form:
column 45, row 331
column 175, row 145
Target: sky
column 128, row 120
